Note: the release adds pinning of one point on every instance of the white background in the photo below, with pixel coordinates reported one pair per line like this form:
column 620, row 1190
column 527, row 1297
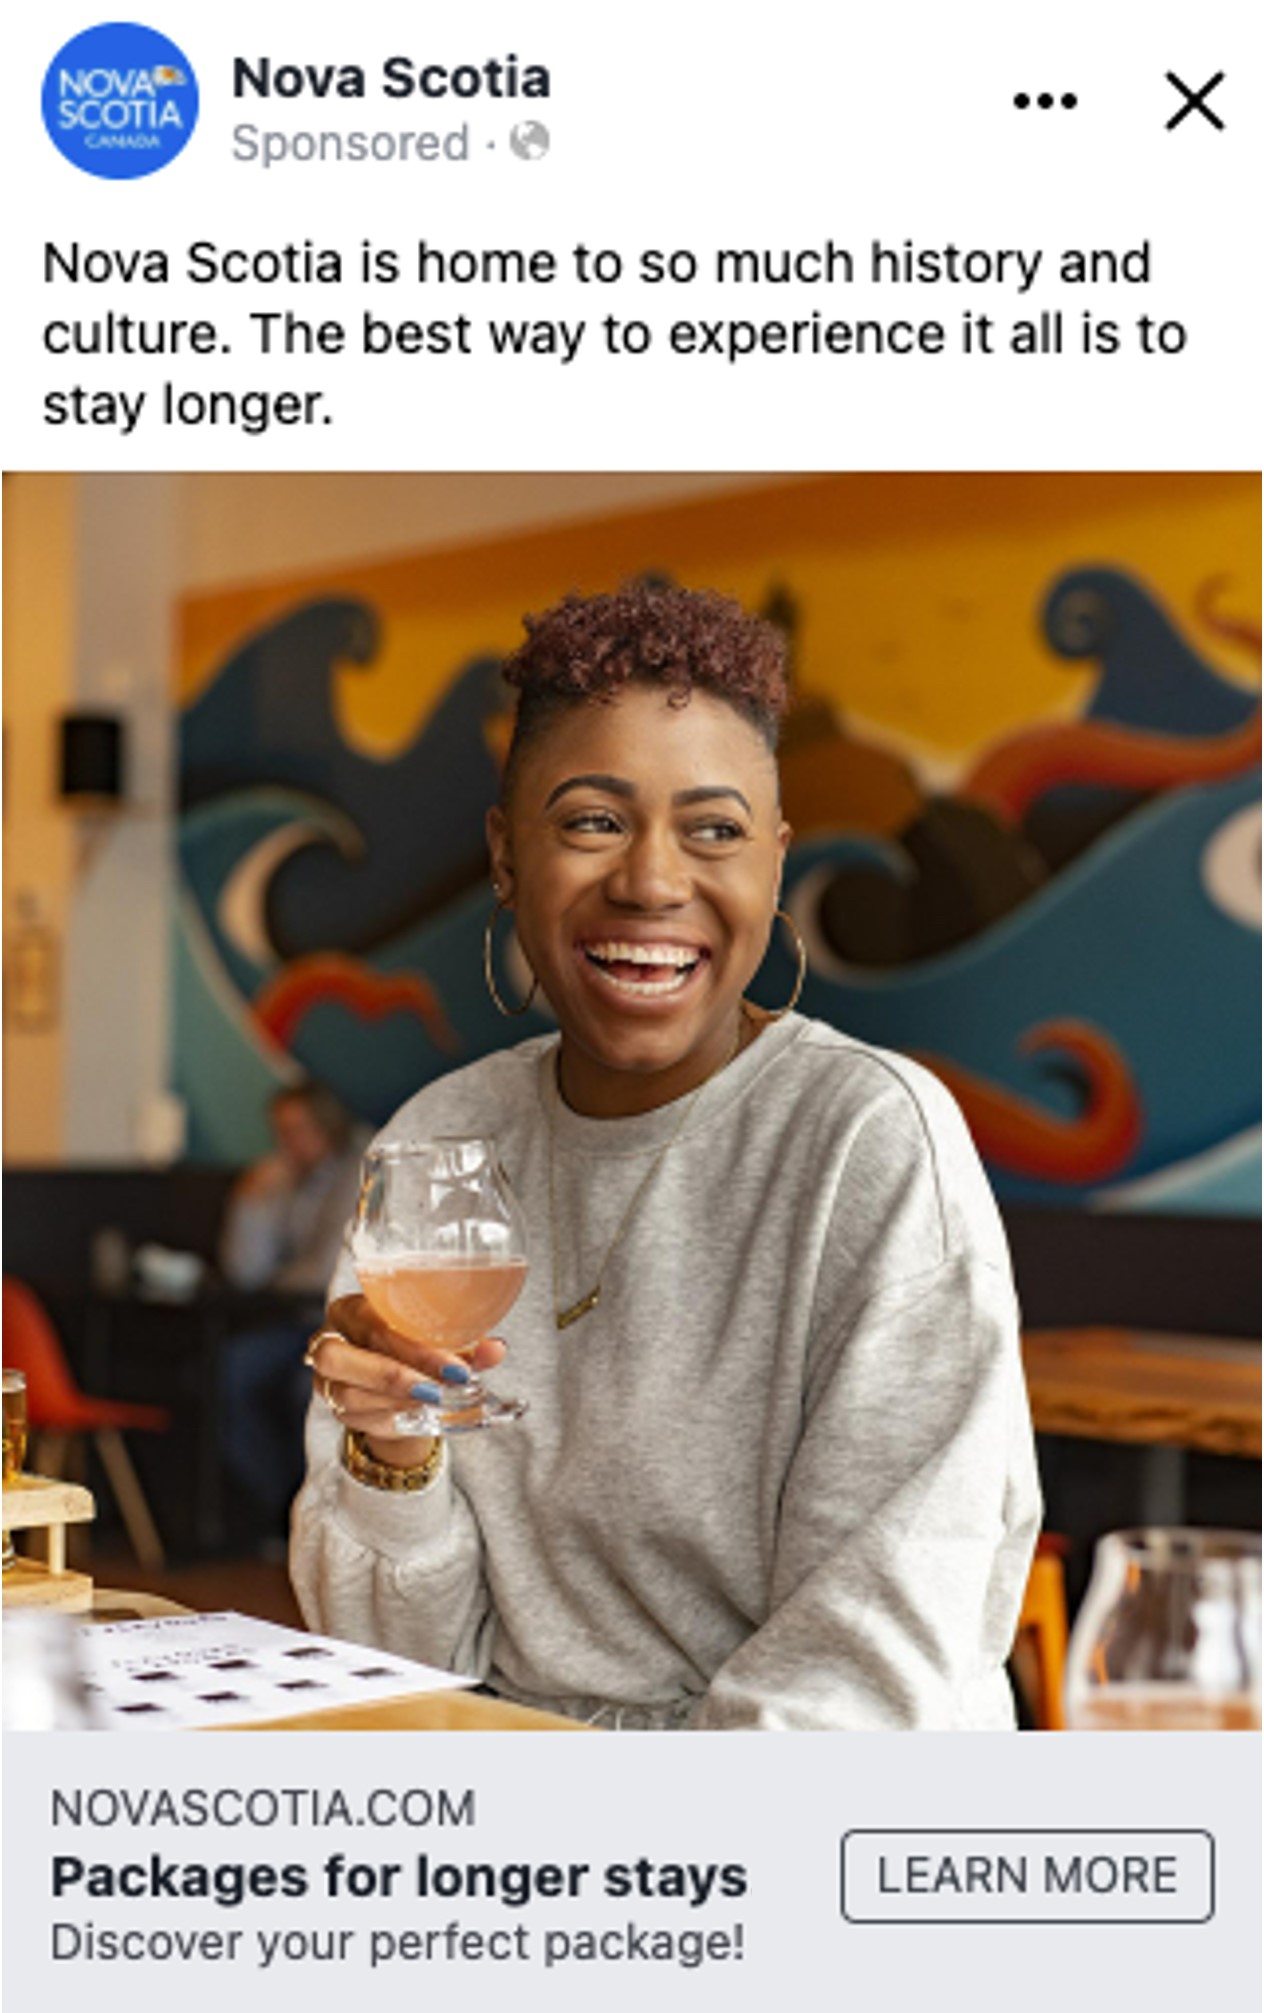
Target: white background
column 698, row 126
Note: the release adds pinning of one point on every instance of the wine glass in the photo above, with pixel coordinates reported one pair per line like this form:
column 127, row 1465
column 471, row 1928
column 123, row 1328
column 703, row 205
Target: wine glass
column 1168, row 1636
column 440, row 1247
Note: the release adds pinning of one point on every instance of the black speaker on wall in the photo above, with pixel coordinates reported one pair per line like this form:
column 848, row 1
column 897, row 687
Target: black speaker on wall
column 91, row 757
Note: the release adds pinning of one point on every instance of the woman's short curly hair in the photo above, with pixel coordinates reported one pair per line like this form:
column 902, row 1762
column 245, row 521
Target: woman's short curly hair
column 590, row 647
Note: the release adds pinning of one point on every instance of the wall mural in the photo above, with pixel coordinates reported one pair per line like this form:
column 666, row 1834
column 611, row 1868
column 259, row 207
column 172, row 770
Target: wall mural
column 1060, row 917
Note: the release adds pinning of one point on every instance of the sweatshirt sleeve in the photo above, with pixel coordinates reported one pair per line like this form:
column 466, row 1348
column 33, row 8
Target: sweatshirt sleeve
column 908, row 1521
column 400, row 1572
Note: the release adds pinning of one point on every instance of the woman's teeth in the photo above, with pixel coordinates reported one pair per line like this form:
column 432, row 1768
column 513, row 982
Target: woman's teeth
column 644, row 969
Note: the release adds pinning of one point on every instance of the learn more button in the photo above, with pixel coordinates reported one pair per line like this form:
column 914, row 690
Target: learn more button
column 1028, row 1876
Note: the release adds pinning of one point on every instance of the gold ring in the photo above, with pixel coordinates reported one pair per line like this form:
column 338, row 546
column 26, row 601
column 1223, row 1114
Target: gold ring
column 327, row 1393
column 325, row 1335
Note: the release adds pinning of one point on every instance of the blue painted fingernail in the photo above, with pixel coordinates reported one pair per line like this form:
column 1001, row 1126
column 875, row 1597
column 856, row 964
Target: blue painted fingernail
column 426, row 1394
column 455, row 1373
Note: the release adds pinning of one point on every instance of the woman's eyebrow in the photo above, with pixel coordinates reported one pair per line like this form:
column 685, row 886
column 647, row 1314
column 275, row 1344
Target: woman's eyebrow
column 708, row 790
column 614, row 786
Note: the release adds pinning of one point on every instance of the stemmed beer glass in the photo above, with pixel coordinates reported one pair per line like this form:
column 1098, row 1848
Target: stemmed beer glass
column 440, row 1248
column 1169, row 1634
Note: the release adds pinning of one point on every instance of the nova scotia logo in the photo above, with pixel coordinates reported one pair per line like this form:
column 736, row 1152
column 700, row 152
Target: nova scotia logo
column 120, row 100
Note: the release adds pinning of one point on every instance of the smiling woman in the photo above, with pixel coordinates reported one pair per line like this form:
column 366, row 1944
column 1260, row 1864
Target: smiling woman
column 777, row 1468
column 640, row 841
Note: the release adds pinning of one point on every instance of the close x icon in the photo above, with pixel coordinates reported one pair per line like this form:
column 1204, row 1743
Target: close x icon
column 1195, row 101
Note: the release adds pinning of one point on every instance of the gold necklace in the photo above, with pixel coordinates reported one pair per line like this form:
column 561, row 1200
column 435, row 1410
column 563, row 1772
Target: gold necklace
column 566, row 1317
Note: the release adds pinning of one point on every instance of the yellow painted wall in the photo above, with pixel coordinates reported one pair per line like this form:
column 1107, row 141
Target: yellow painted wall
column 920, row 595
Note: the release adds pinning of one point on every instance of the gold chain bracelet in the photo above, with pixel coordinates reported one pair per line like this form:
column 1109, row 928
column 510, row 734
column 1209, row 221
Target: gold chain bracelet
column 365, row 1467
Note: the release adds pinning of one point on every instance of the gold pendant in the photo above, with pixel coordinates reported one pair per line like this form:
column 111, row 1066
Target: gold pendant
column 568, row 1316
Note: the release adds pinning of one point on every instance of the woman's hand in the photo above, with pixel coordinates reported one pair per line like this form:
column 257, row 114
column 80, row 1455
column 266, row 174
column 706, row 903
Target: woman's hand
column 372, row 1373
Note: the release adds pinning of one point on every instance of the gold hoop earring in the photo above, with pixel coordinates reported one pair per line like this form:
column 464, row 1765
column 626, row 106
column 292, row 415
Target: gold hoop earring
column 510, row 1013
column 802, row 951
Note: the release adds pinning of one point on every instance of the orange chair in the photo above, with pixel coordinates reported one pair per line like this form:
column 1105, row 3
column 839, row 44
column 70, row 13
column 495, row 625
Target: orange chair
column 56, row 1408
column 1040, row 1644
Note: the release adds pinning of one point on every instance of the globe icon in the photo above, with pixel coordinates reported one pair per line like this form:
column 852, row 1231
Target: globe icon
column 530, row 140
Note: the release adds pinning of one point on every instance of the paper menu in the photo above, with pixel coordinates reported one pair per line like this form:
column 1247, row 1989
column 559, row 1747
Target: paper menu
column 187, row 1671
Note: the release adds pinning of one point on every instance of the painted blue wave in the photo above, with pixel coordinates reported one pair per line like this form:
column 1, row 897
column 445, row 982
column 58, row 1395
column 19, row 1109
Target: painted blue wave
column 1127, row 938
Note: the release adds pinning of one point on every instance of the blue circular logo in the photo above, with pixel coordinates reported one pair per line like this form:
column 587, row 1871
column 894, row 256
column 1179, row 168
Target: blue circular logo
column 120, row 101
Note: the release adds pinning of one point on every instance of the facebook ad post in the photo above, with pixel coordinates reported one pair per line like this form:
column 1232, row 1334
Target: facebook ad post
column 631, row 1007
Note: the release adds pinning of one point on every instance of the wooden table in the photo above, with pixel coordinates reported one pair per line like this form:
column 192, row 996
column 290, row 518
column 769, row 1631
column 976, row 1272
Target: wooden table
column 1189, row 1391
column 430, row 1712
column 1171, row 1394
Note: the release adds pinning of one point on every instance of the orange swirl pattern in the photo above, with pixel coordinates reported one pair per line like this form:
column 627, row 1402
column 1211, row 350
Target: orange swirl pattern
column 332, row 978
column 1024, row 1139
column 1011, row 777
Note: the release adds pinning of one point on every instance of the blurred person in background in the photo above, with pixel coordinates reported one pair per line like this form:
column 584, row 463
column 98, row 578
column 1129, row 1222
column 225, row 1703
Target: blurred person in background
column 282, row 1235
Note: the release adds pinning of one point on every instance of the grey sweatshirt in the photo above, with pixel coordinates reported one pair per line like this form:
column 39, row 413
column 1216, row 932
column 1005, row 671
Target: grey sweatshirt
column 781, row 1477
